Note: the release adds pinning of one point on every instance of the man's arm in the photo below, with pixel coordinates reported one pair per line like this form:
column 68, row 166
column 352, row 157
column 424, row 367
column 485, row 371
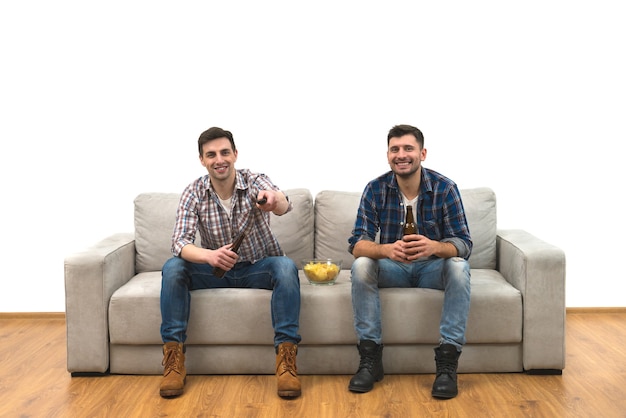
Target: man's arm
column 276, row 202
column 223, row 257
column 417, row 246
column 410, row 248
column 370, row 249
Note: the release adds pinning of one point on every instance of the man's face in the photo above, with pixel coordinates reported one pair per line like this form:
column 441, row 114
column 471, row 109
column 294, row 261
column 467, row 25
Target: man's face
column 405, row 155
column 219, row 159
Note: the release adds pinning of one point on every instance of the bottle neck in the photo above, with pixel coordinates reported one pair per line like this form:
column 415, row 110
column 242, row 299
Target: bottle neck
column 409, row 221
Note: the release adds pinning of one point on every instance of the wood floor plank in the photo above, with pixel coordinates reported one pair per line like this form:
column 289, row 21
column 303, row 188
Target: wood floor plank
column 34, row 382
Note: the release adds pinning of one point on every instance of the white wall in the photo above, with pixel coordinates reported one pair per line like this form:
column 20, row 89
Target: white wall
column 102, row 101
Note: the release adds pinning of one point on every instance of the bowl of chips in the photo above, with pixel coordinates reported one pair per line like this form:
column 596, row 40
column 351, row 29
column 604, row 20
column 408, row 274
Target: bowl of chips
column 321, row 271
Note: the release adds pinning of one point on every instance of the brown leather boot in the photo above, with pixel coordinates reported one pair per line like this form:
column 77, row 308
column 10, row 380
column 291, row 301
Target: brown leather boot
column 174, row 372
column 286, row 370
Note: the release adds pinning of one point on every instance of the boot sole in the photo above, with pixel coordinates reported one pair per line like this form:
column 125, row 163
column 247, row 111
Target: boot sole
column 443, row 395
column 171, row 393
column 361, row 389
column 289, row 393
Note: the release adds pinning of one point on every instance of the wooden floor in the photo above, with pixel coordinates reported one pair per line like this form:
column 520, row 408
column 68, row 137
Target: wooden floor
column 34, row 383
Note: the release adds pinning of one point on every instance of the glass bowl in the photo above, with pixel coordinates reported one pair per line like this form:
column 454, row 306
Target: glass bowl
column 321, row 271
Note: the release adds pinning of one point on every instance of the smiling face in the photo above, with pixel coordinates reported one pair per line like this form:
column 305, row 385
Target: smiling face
column 218, row 157
column 405, row 155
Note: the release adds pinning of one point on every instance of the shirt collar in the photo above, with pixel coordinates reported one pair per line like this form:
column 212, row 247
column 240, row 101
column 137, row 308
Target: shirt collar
column 241, row 181
column 426, row 184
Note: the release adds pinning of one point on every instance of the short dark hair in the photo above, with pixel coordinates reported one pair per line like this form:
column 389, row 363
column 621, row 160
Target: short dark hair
column 400, row 130
column 214, row 133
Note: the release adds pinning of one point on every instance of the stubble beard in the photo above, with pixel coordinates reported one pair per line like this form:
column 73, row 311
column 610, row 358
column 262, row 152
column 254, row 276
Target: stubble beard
column 407, row 174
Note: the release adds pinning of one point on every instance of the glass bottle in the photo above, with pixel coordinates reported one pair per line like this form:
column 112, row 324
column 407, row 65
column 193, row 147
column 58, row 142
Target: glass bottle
column 218, row 272
column 409, row 223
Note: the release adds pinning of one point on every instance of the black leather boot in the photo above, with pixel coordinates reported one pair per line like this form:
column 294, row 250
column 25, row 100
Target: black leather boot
column 447, row 360
column 370, row 367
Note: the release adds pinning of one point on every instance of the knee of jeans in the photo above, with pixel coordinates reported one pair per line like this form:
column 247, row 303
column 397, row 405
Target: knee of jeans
column 363, row 269
column 458, row 268
column 284, row 268
column 174, row 262
column 172, row 268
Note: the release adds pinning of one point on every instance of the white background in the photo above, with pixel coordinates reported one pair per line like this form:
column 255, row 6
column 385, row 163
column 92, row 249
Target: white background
column 100, row 101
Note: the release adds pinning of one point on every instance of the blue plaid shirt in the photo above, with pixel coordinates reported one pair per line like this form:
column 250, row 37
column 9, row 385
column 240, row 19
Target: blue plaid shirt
column 199, row 211
column 439, row 216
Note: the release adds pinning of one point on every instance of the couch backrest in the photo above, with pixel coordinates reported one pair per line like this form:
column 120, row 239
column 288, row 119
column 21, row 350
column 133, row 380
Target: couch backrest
column 335, row 213
column 295, row 230
column 155, row 216
column 480, row 210
column 306, row 232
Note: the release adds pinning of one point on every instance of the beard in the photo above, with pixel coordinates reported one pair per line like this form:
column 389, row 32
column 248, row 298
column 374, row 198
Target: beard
column 405, row 174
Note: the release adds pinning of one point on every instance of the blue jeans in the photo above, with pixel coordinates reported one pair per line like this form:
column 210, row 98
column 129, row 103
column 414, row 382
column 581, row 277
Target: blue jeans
column 278, row 274
column 452, row 275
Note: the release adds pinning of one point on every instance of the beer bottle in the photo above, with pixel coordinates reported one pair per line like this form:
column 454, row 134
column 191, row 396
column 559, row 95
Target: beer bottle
column 218, row 272
column 409, row 223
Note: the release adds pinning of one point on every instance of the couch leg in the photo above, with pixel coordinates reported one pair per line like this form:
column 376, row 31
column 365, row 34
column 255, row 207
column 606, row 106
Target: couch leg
column 89, row 374
column 544, row 372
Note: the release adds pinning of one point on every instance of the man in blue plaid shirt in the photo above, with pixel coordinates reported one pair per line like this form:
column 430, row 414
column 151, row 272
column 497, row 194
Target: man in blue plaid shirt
column 435, row 257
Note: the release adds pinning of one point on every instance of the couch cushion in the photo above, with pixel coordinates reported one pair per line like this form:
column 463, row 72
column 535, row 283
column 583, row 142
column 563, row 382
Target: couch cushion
column 155, row 217
column 242, row 316
column 335, row 212
column 480, row 210
column 294, row 230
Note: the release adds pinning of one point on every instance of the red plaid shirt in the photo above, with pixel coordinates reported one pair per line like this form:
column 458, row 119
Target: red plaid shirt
column 199, row 211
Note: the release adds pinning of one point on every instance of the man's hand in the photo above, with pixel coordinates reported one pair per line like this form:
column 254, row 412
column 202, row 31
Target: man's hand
column 406, row 250
column 416, row 246
column 223, row 257
column 265, row 200
column 272, row 201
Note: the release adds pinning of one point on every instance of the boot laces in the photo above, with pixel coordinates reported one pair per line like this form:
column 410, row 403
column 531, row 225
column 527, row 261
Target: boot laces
column 367, row 362
column 288, row 363
column 171, row 361
column 446, row 366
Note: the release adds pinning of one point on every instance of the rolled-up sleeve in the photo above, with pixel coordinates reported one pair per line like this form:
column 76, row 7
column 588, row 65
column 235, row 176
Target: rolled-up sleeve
column 364, row 226
column 186, row 221
column 455, row 226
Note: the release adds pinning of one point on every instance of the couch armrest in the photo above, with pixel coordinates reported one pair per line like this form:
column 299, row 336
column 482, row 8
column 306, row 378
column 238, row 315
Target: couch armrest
column 91, row 277
column 537, row 270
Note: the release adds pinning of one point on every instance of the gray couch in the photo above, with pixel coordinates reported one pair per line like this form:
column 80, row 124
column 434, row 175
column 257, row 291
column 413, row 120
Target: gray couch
column 516, row 322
